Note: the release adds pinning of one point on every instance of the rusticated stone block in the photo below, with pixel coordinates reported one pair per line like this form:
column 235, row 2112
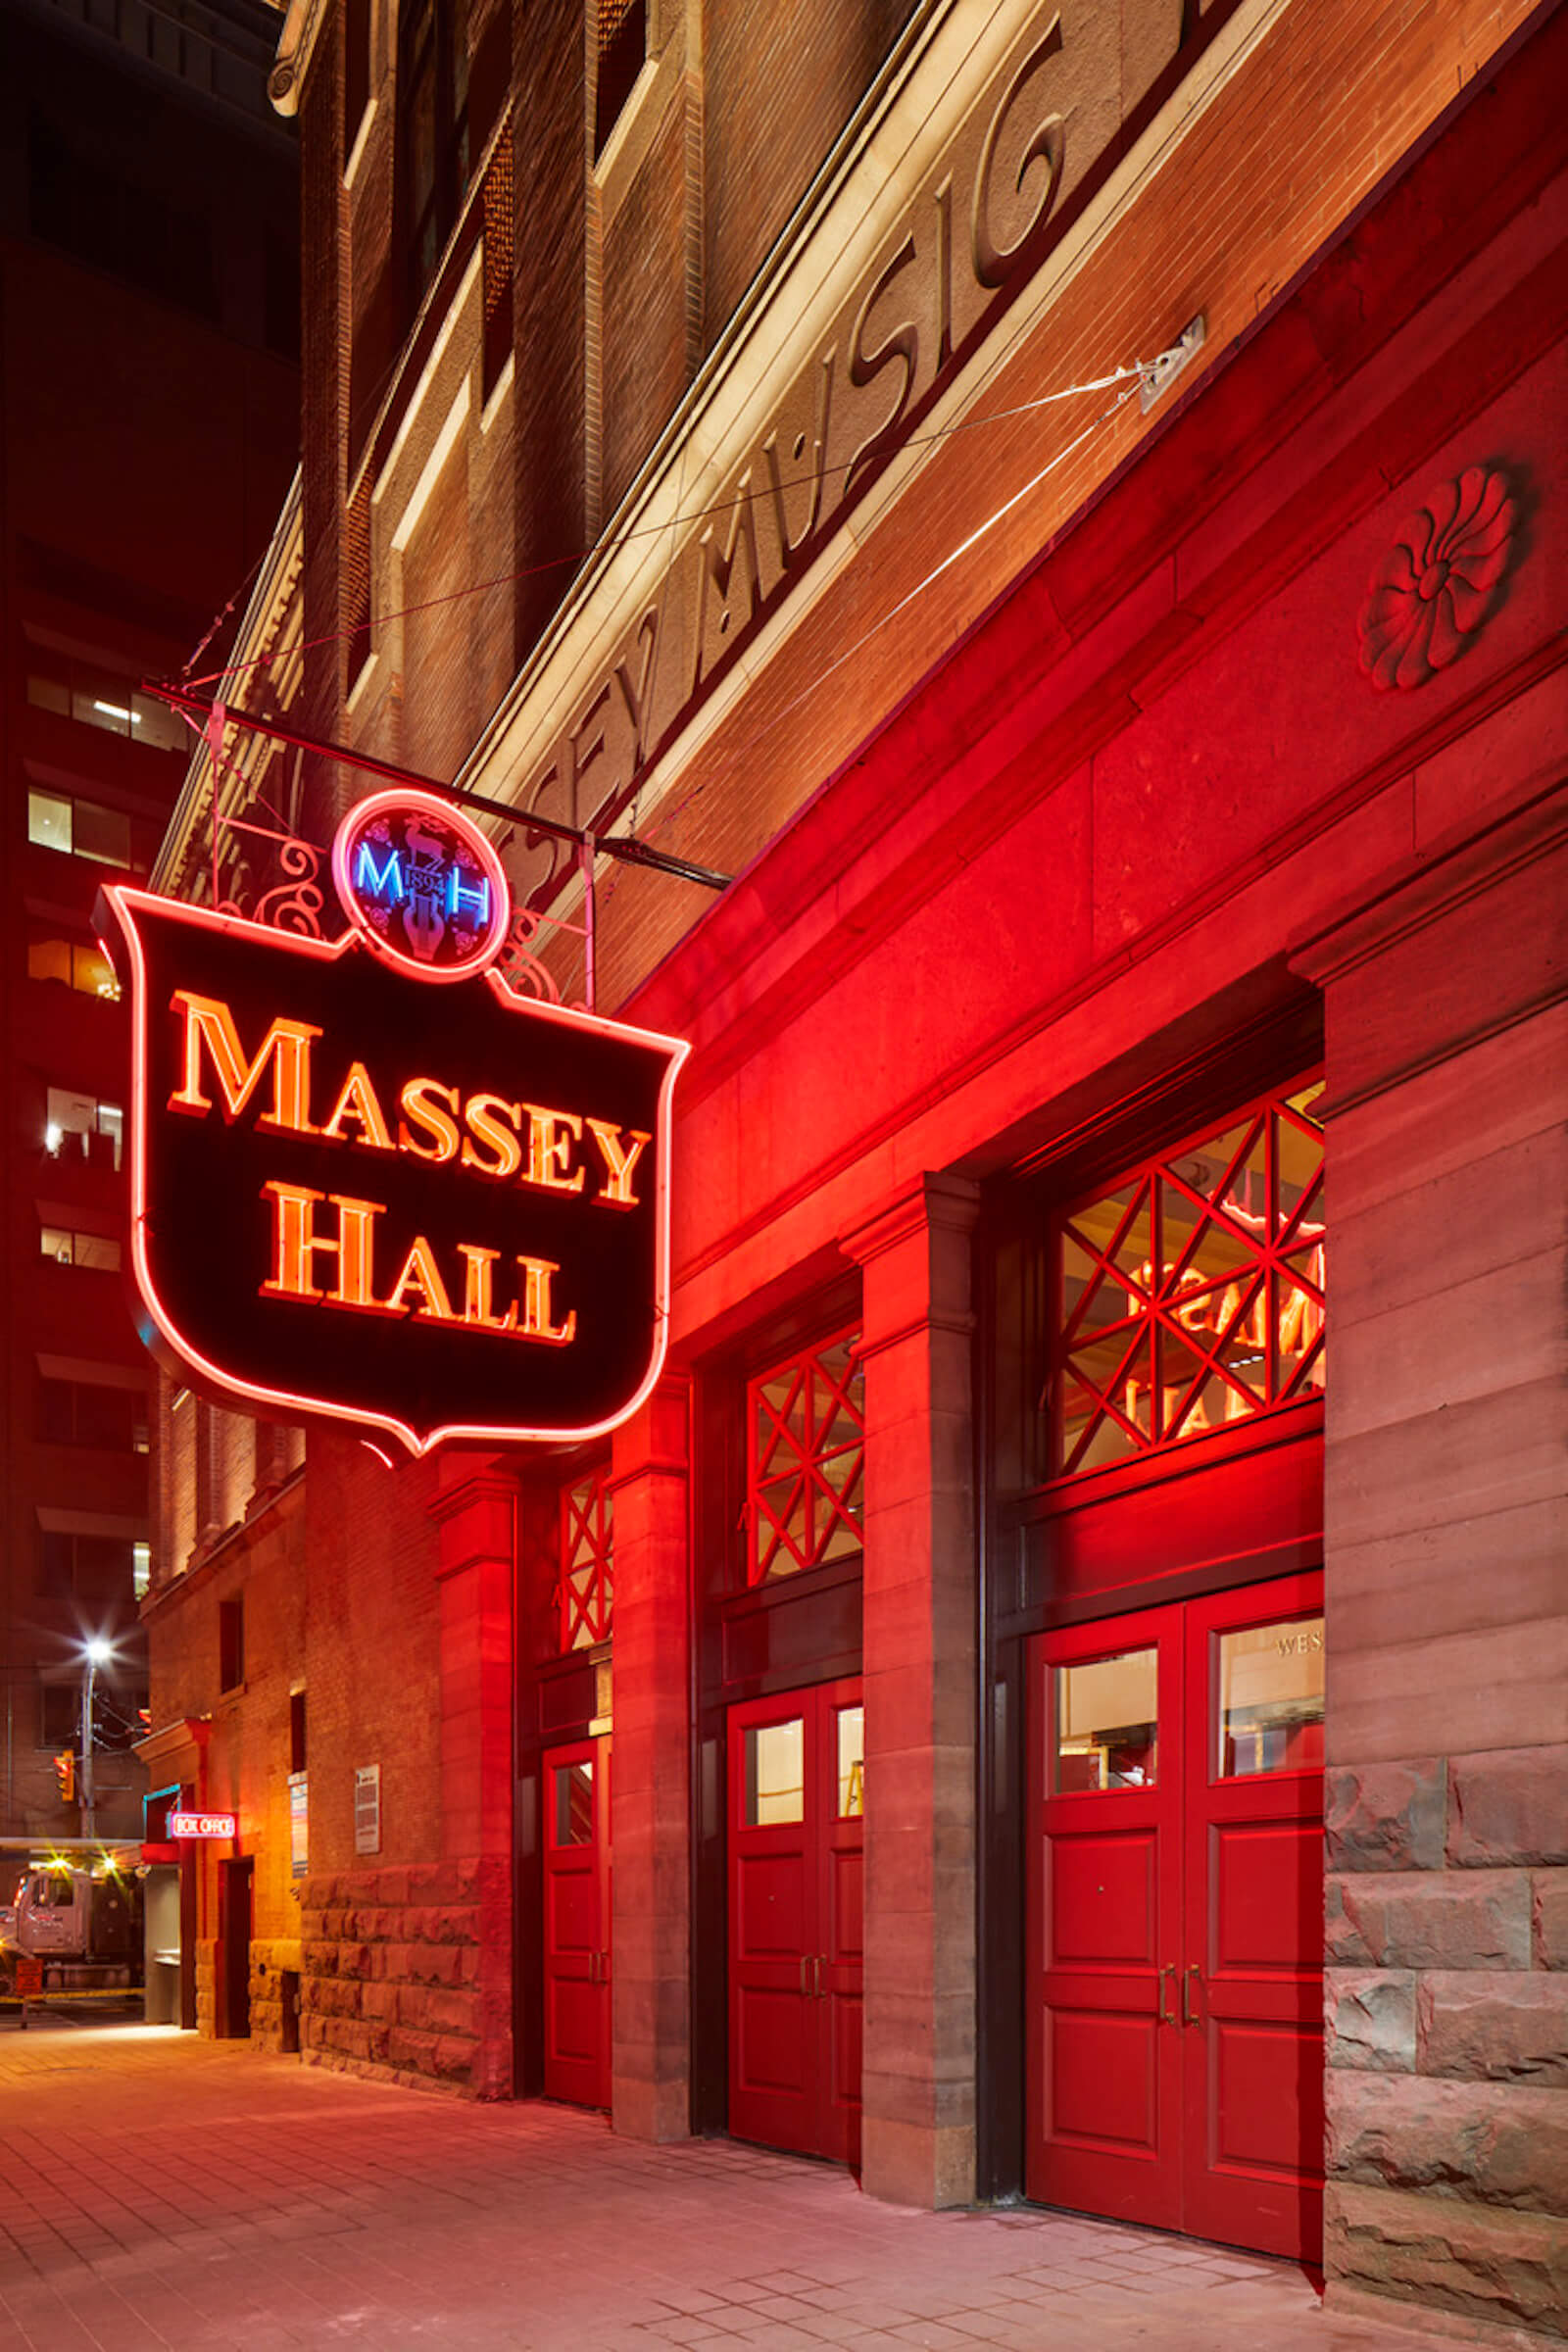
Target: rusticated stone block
column 1511, row 2027
column 1344, row 1944
column 416, row 2051
column 353, row 1959
column 336, row 1997
column 1430, row 1918
column 379, row 2003
column 434, row 1963
column 429, row 2009
column 455, row 2058
column 1484, row 2262
column 348, row 2034
column 455, row 1926
column 1497, row 2142
column 1384, row 1816
column 1549, row 1903
column 1369, row 2019
column 1509, row 1805
column 392, row 1888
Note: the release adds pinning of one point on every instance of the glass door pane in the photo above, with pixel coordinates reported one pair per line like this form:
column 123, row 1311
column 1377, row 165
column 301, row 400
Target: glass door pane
column 1107, row 1723
column 776, row 1773
column 1270, row 1699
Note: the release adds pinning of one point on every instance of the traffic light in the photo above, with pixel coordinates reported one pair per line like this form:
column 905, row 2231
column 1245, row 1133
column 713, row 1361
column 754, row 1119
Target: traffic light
column 66, row 1775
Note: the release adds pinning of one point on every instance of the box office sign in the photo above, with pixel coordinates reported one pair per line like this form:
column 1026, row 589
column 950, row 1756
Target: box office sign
column 368, row 1181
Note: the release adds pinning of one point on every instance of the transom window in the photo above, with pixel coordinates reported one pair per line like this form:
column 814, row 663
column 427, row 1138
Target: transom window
column 586, row 1589
column 805, row 1422
column 1191, row 1295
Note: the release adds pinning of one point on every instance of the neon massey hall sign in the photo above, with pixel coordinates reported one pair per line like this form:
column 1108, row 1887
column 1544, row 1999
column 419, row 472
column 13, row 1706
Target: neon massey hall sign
column 371, row 1182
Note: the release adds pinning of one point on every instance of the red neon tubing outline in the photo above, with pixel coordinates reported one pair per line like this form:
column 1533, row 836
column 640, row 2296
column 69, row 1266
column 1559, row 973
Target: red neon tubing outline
column 291, row 1403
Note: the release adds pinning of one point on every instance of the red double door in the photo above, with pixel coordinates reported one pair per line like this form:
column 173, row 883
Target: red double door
column 795, row 1964
column 1175, row 2042
column 577, row 1922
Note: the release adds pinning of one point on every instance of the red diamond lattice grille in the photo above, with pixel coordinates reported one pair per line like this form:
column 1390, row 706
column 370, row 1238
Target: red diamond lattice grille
column 1192, row 1294
column 805, row 1423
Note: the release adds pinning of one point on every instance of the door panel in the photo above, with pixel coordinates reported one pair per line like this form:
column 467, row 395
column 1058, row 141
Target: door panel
column 1254, row 1917
column 772, row 1915
column 576, row 1923
column 1175, row 1918
column 795, row 1907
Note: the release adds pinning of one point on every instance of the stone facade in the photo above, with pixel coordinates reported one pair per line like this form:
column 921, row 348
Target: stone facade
column 277, row 1966
column 1447, row 1863
column 392, row 1970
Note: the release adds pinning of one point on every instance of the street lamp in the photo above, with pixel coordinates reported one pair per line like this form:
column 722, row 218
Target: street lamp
column 96, row 1651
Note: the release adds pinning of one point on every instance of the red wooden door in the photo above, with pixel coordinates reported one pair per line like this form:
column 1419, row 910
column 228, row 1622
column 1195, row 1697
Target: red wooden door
column 795, row 1910
column 576, row 1923
column 1175, row 1918
column 1104, row 1914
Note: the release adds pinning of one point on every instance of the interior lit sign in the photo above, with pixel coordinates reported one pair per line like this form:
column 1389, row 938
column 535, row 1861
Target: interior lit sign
column 434, row 1212
column 201, row 1825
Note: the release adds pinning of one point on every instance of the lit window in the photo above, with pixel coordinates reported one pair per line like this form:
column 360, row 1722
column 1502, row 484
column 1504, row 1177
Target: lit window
column 86, row 969
column 79, row 828
column 142, row 1569
column 806, row 1451
column 73, row 1122
column 585, row 1590
column 1191, row 1295
column 98, row 1252
column 116, row 710
column 49, row 820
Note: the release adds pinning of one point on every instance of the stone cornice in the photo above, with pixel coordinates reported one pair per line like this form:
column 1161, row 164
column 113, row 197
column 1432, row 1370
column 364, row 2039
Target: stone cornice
column 1472, row 859
column 171, row 1740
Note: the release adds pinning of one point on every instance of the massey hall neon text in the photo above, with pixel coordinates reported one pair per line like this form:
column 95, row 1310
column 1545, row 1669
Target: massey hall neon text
column 549, row 1150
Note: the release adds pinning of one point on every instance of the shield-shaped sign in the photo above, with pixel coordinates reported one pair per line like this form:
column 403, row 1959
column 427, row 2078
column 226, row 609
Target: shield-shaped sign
column 433, row 1212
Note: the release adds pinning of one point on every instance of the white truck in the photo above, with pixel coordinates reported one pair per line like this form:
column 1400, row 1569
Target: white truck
column 80, row 1931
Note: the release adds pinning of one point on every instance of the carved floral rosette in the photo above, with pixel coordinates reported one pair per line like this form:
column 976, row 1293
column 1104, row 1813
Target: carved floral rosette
column 1439, row 581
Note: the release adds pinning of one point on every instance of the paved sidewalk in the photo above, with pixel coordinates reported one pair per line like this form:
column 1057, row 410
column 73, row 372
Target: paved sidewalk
column 160, row 2194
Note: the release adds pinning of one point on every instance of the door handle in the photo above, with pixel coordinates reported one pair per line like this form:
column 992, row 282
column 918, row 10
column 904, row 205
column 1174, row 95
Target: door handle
column 1166, row 2017
column 1189, row 2016
column 806, row 1978
column 816, row 1981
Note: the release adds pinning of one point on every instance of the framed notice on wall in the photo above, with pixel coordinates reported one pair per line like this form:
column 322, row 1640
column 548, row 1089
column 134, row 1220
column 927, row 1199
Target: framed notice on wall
column 367, row 1809
column 299, row 1824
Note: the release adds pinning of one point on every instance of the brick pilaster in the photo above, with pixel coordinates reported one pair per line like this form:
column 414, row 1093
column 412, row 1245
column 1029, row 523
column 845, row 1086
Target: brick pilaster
column 920, row 1634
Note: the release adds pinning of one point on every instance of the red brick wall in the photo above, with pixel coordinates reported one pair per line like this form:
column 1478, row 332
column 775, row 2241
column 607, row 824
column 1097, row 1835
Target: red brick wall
column 373, row 1630
column 779, row 84
column 644, row 309
column 548, row 311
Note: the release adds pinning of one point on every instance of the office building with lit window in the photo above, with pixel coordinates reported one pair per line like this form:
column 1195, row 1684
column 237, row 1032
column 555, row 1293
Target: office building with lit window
column 148, row 426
